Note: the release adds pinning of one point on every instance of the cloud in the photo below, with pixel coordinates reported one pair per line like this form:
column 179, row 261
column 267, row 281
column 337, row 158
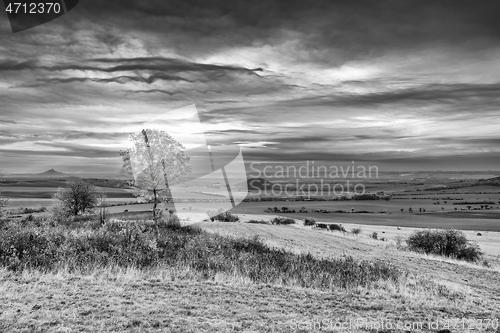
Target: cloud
column 396, row 81
column 259, row 144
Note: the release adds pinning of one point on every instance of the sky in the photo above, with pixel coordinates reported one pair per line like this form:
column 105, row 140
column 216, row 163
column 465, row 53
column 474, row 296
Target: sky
column 400, row 84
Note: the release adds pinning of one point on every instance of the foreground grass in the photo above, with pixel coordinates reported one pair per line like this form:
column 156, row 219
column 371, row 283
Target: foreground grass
column 123, row 277
column 166, row 300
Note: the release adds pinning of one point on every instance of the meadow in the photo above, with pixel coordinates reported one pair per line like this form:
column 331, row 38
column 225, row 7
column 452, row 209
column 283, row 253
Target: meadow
column 227, row 276
column 200, row 276
column 443, row 206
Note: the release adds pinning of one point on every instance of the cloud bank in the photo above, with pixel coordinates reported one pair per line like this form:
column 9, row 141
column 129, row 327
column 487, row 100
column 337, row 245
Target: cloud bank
column 403, row 84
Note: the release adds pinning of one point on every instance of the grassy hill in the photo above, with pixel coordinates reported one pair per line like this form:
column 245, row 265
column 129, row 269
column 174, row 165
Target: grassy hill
column 228, row 277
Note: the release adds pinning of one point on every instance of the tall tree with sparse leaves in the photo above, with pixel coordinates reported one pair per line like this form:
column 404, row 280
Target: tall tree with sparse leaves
column 156, row 161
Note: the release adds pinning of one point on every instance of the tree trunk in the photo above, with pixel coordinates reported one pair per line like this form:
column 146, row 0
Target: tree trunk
column 154, row 204
column 169, row 196
column 155, row 218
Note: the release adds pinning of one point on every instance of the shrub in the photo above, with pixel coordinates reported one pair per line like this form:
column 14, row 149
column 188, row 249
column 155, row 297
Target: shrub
column 227, row 217
column 356, row 231
column 258, row 222
column 221, row 215
column 374, row 235
column 310, row 221
column 322, row 225
column 336, row 227
column 172, row 220
column 59, row 212
column 212, row 213
column 448, row 243
column 31, row 210
column 282, row 220
column 127, row 244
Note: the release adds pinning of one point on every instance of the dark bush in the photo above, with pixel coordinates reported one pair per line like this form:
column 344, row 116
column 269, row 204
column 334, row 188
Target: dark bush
column 32, row 210
column 336, row 227
column 259, row 222
column 356, row 231
column 310, row 221
column 226, row 217
column 282, row 220
column 374, row 235
column 448, row 243
column 322, row 225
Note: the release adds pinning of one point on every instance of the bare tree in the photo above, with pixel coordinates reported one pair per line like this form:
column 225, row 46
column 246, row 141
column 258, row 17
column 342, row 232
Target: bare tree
column 78, row 197
column 156, row 161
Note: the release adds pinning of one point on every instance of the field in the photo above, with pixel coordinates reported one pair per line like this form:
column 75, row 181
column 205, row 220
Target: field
column 166, row 300
column 181, row 299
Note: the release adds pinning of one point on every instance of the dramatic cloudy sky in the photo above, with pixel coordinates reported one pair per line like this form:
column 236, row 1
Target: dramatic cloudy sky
column 402, row 84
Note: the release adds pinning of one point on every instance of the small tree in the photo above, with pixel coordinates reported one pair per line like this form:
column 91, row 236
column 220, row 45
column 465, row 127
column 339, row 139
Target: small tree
column 78, row 197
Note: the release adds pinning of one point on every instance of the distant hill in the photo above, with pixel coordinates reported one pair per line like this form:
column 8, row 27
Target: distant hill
column 491, row 181
column 51, row 173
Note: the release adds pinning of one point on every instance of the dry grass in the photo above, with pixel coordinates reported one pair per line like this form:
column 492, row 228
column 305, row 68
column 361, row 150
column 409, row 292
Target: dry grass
column 182, row 299
column 118, row 300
